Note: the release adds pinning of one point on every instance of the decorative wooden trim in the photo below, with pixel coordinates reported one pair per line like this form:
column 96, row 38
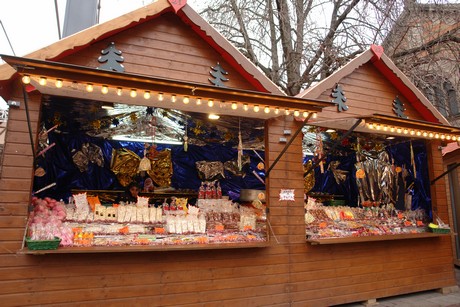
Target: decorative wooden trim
column 140, row 248
column 376, row 238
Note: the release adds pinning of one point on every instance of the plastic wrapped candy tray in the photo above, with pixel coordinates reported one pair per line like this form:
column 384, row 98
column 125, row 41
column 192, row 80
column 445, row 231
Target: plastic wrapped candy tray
column 43, row 244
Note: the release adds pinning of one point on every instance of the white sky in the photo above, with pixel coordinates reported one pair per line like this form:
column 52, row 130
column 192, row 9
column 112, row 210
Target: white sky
column 32, row 24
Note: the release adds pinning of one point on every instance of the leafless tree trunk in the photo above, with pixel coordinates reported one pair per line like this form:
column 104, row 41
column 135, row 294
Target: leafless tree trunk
column 299, row 42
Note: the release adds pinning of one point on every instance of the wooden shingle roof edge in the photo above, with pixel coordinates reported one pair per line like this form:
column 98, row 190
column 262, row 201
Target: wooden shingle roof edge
column 391, row 72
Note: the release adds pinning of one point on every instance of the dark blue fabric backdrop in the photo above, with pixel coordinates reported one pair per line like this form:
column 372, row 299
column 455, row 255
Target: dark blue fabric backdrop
column 61, row 169
column 421, row 198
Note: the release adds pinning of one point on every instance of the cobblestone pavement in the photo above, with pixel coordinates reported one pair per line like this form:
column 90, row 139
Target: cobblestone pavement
column 419, row 299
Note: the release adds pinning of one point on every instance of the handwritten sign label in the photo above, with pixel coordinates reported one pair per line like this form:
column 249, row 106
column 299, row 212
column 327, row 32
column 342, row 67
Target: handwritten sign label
column 287, row 194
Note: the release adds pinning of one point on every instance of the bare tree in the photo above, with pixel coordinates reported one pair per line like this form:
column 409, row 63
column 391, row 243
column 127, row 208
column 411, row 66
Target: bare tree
column 299, row 42
column 425, row 44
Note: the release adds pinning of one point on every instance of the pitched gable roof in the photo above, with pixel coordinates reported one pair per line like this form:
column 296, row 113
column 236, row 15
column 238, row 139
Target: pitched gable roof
column 82, row 39
column 388, row 69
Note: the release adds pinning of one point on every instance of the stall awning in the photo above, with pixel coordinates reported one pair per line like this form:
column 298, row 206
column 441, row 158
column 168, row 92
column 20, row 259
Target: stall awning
column 70, row 80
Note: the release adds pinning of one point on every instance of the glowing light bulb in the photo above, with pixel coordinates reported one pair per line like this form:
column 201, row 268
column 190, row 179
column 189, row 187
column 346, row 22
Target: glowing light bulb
column 210, row 103
column 454, row 138
column 448, row 137
column 146, row 95
column 443, row 136
column 392, row 129
column 245, row 107
column 42, row 81
column 305, row 114
column 430, row 134
column 59, row 83
column 406, row 131
column 160, row 96
column 234, row 106
column 26, row 79
column 296, row 113
column 425, row 134
column 256, row 108
column 198, row 101
column 173, row 98
column 119, row 91
column 186, row 100
column 385, row 128
column 133, row 93
column 267, row 110
column 412, row 132
column 104, row 89
column 436, row 136
column 287, row 112
column 89, row 87
column 378, row 127
column 418, row 133
column 398, row 130
column 315, row 115
column 277, row 110
column 370, row 126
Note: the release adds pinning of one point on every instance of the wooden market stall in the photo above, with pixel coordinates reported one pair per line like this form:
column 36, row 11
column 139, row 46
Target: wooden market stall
column 167, row 54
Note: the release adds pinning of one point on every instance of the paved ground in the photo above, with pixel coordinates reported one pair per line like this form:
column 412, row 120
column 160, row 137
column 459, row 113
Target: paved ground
column 420, row 299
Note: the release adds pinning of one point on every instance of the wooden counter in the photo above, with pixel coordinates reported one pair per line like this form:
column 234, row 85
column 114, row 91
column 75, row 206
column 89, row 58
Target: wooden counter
column 376, row 238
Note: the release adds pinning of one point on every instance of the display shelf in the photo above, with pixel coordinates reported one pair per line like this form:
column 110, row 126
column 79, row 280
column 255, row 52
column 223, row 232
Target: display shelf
column 141, row 248
column 404, row 236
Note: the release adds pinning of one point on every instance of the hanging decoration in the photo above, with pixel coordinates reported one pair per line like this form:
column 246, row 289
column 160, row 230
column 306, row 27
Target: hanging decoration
column 319, row 150
column 309, row 176
column 112, row 59
column 412, row 160
column 287, row 195
column 186, row 138
column 89, row 153
column 219, row 75
column 238, row 168
column 124, row 165
column 145, row 164
column 210, row 170
column 339, row 175
column 161, row 170
column 398, row 108
column 339, row 98
column 240, row 147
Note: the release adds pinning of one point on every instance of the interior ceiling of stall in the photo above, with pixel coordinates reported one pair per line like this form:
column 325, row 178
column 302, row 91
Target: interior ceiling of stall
column 148, row 124
column 156, row 125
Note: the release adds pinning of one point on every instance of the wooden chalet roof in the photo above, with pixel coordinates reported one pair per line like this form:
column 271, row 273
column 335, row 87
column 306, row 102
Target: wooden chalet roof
column 382, row 63
column 82, row 39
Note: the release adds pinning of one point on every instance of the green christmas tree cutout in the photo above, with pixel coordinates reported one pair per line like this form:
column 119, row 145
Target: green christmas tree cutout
column 340, row 98
column 219, row 76
column 398, row 108
column 112, row 58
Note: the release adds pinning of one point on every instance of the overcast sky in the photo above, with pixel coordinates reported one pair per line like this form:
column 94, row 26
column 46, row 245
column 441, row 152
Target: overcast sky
column 32, row 24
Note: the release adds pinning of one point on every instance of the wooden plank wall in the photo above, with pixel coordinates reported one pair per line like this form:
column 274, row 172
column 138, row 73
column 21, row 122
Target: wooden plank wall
column 174, row 52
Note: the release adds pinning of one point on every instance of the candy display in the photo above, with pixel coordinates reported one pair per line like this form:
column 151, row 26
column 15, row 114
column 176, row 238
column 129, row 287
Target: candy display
column 343, row 221
column 173, row 223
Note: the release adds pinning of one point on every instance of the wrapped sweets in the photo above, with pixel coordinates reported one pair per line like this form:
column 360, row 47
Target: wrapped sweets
column 100, row 213
column 111, row 214
column 121, row 214
column 130, row 211
column 144, row 213
column 142, row 201
column 152, row 214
